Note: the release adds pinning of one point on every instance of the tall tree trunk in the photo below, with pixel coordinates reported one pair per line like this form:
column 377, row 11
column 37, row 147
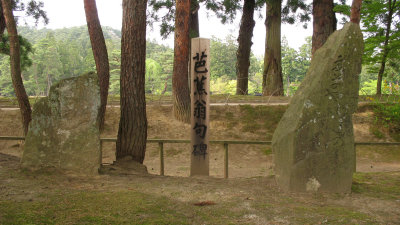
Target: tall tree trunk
column 2, row 21
column 194, row 30
column 15, row 61
column 272, row 74
column 391, row 5
column 132, row 133
column 356, row 11
column 244, row 49
column 180, row 75
column 100, row 55
column 324, row 22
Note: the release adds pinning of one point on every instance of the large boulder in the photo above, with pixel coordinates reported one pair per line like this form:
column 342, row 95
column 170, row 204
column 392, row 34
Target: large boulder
column 63, row 133
column 314, row 142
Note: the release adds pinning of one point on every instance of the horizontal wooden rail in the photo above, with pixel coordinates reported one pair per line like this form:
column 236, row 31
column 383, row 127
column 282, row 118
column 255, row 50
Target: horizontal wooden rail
column 12, row 138
column 376, row 143
column 177, row 141
column 225, row 144
column 21, row 138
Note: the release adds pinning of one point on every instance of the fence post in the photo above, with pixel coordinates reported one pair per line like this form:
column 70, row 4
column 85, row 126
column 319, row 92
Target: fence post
column 101, row 152
column 161, row 147
column 226, row 160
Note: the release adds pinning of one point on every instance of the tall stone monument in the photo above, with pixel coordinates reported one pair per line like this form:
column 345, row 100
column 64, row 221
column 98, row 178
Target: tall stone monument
column 200, row 106
column 63, row 133
column 314, row 142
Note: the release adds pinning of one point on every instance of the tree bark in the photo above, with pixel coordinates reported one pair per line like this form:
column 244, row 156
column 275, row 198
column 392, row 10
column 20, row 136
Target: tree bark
column 244, row 49
column 132, row 133
column 272, row 74
column 2, row 21
column 194, row 29
column 15, row 61
column 391, row 5
column 324, row 22
column 180, row 76
column 356, row 11
column 100, row 55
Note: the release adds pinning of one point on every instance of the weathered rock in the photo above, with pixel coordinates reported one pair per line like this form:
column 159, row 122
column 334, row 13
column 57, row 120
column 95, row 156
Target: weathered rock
column 314, row 143
column 63, row 133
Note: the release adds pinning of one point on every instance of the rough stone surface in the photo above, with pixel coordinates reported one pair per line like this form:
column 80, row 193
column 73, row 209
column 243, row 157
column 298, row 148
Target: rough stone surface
column 63, row 133
column 314, row 143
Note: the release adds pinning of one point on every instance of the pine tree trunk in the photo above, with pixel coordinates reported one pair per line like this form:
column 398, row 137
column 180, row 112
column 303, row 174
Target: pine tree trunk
column 385, row 46
column 355, row 15
column 100, row 55
column 272, row 74
column 132, row 133
column 2, row 21
column 15, row 58
column 194, row 29
column 324, row 22
column 244, row 49
column 180, row 76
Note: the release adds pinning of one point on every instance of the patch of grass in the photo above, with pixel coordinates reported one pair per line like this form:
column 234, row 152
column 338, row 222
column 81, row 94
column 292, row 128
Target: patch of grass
column 388, row 115
column 267, row 151
column 376, row 132
column 229, row 115
column 330, row 215
column 378, row 185
column 389, row 154
column 256, row 118
column 120, row 207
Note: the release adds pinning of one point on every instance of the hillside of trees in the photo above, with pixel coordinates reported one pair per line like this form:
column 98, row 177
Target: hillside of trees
column 63, row 53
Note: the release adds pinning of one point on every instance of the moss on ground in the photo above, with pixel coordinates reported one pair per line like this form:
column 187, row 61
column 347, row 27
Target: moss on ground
column 378, row 185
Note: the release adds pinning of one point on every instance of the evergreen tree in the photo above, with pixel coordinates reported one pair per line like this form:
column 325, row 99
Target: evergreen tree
column 382, row 32
column 15, row 64
column 132, row 132
column 180, row 77
column 100, row 55
column 272, row 75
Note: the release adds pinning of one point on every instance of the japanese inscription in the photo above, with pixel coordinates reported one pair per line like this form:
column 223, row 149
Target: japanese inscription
column 200, row 89
column 200, row 109
column 200, row 63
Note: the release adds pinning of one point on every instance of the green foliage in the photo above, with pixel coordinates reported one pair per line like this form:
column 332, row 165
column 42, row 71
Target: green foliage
column 387, row 113
column 163, row 11
column 368, row 87
column 62, row 53
column 25, row 49
column 32, row 8
column 296, row 11
column 375, row 18
column 294, row 65
column 223, row 85
column 389, row 116
column 223, row 58
column 223, row 67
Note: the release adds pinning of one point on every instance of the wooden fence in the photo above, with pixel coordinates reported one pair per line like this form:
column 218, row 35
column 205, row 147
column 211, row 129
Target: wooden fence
column 225, row 143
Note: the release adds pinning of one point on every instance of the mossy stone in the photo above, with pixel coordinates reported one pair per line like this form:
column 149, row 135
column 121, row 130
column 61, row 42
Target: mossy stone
column 314, row 142
column 63, row 133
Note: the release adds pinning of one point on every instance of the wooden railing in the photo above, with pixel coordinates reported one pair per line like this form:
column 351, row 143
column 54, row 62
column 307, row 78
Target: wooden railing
column 225, row 143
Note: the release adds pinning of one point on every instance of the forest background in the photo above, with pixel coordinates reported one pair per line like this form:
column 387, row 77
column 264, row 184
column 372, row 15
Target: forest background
column 62, row 53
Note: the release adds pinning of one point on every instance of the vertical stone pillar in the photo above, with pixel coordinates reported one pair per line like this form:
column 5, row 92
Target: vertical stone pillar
column 200, row 106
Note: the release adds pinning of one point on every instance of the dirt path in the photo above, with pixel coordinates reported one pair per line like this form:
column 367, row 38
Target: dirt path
column 250, row 196
column 254, row 200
